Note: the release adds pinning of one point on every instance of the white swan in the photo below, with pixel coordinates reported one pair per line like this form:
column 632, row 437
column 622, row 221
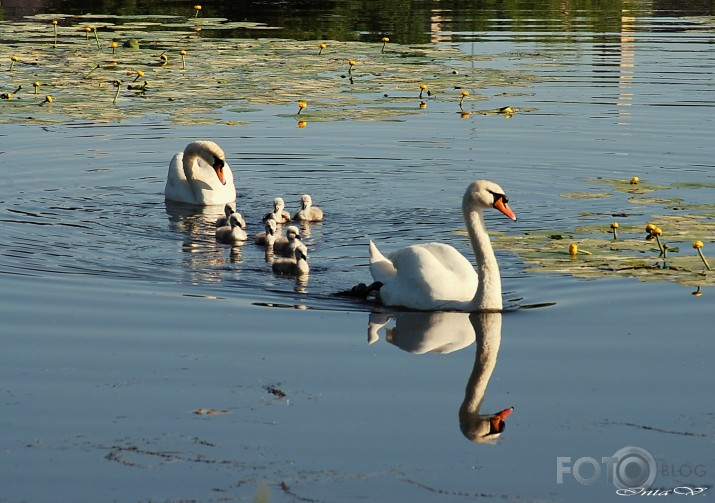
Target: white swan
column 278, row 214
column 296, row 266
column 200, row 175
column 435, row 276
column 308, row 212
column 234, row 232
column 267, row 237
column 284, row 246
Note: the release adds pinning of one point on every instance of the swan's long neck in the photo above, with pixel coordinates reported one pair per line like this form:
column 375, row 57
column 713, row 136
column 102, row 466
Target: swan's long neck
column 189, row 161
column 488, row 331
column 488, row 294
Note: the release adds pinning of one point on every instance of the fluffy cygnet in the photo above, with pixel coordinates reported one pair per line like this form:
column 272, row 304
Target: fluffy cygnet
column 308, row 212
column 234, row 232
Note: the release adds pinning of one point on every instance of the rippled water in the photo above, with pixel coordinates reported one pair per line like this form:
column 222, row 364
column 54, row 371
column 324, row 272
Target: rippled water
column 121, row 314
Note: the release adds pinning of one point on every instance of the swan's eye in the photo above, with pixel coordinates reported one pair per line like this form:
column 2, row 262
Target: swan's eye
column 498, row 197
column 218, row 163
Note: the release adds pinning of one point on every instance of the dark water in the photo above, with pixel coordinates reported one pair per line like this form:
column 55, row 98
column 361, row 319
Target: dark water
column 121, row 316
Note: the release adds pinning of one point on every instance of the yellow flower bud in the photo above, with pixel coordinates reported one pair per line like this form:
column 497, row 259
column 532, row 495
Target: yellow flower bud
column 182, row 52
column 614, row 225
column 697, row 245
column 649, row 228
column 385, row 39
column 573, row 249
column 657, row 231
column 464, row 92
column 634, row 180
column 14, row 59
column 423, row 86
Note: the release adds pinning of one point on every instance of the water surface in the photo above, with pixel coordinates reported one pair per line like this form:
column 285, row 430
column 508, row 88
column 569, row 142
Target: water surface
column 121, row 315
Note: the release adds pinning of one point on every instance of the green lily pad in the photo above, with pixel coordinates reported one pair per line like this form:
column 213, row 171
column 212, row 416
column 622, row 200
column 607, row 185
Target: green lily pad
column 218, row 74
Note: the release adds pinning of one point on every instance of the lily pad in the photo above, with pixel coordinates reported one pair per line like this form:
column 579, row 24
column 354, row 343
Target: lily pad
column 216, row 74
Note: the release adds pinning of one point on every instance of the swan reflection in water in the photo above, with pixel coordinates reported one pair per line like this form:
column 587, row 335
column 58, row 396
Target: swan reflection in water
column 203, row 256
column 445, row 332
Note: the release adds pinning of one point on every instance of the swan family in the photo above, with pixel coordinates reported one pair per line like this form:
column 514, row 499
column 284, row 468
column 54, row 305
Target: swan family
column 425, row 277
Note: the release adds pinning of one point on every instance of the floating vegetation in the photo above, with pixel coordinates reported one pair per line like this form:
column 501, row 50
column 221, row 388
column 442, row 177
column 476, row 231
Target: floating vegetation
column 73, row 64
column 668, row 247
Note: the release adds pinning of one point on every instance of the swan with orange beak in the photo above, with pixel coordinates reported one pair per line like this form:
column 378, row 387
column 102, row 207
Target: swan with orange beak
column 201, row 176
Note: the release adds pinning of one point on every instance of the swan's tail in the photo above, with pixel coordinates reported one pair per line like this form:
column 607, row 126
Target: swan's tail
column 381, row 267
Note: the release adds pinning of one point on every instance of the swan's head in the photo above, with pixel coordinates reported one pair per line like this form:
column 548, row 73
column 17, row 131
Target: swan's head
column 236, row 220
column 271, row 227
column 211, row 153
column 484, row 429
column 278, row 205
column 306, row 202
column 228, row 210
column 292, row 232
column 485, row 194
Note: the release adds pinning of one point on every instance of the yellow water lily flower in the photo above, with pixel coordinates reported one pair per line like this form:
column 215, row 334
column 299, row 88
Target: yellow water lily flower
column 698, row 245
column 423, row 88
column 13, row 59
column 48, row 99
column 614, row 228
column 36, row 85
column 385, row 40
column 573, row 249
column 464, row 93
column 634, row 180
column 321, row 47
column 113, row 44
column 197, row 8
column 301, row 106
column 182, row 53
column 140, row 74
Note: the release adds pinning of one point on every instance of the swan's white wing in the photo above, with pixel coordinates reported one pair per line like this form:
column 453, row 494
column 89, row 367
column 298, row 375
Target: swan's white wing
column 177, row 187
column 429, row 275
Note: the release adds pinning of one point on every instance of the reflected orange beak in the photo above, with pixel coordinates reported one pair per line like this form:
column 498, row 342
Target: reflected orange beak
column 504, row 208
column 499, row 418
column 219, row 173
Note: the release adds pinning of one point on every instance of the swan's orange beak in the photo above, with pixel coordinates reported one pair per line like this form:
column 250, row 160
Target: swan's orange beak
column 218, row 168
column 499, row 418
column 504, row 208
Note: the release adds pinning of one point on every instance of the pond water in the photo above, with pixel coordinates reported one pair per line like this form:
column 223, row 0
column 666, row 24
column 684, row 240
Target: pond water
column 122, row 317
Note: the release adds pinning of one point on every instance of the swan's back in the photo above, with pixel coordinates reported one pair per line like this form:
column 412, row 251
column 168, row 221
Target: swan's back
column 423, row 276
